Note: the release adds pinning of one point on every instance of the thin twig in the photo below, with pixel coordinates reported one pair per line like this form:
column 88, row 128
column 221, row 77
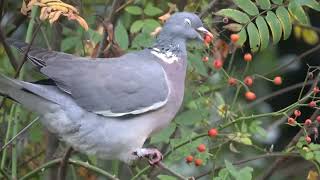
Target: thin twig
column 268, row 155
column 175, row 174
column 301, row 56
column 18, row 134
column 207, row 9
column 62, row 172
column 111, row 18
column 267, row 174
column 55, row 162
column 12, row 59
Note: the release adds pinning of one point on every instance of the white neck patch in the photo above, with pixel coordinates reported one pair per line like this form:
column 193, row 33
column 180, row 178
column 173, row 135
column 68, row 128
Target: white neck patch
column 167, row 57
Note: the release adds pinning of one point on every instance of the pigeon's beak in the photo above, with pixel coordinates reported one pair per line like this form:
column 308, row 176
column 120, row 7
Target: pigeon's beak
column 204, row 32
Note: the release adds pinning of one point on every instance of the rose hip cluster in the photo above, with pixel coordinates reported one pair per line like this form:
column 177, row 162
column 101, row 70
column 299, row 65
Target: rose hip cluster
column 201, row 148
column 307, row 124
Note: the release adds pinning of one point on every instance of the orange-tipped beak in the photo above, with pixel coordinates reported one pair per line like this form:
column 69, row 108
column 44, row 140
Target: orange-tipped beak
column 205, row 31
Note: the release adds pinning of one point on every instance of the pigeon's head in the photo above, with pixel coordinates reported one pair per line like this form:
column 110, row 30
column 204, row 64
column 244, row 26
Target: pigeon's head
column 186, row 26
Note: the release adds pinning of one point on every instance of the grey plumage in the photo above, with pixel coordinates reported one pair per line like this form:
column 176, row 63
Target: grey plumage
column 109, row 107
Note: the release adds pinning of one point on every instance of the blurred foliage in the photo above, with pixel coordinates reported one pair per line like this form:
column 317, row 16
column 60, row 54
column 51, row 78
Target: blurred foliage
column 245, row 130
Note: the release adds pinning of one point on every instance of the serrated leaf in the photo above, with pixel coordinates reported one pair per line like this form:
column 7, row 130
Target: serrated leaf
column 264, row 4
column 232, row 170
column 263, row 32
column 310, row 36
column 275, row 26
column 234, row 27
column 298, row 13
column 243, row 37
column 121, row 35
column 285, row 20
column 151, row 10
column 135, row 10
column 313, row 4
column 247, row 6
column 254, row 38
column 136, row 26
column 279, row 2
column 235, row 15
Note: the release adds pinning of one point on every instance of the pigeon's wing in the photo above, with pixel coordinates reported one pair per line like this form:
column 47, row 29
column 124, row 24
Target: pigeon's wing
column 130, row 84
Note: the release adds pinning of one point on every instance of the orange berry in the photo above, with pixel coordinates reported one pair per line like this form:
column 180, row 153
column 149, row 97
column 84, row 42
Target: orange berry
column 207, row 39
column 217, row 64
column 213, row 132
column 234, row 37
column 248, row 81
column 189, row 159
column 201, row 148
column 232, row 81
column 318, row 119
column 205, row 59
column 247, row 57
column 250, row 96
column 291, row 121
column 277, row 80
column 198, row 162
column 312, row 104
column 308, row 139
column 307, row 122
column 297, row 113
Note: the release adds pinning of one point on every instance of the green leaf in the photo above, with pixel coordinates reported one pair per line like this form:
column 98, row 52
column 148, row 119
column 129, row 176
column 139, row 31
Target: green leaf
column 279, row 2
column 69, row 43
column 263, row 32
column 245, row 174
column 94, row 36
column 163, row 135
column 254, row 38
column 234, row 27
column 264, row 4
column 150, row 10
column 166, row 177
column 246, row 140
column 232, row 170
column 121, row 35
column 136, row 26
column 135, row 10
column 298, row 13
column 243, row 37
column 313, row 4
column 275, row 26
column 195, row 61
column 235, row 15
column 189, row 117
column 150, row 25
column 142, row 40
column 248, row 6
column 285, row 20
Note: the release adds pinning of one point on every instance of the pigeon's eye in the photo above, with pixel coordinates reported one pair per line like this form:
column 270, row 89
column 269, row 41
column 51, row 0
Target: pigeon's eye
column 187, row 21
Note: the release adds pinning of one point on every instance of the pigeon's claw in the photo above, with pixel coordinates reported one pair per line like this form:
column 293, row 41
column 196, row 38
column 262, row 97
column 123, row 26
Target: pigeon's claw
column 154, row 155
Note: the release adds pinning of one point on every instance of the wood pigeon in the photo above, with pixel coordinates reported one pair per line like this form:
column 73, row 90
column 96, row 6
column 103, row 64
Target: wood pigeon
column 109, row 106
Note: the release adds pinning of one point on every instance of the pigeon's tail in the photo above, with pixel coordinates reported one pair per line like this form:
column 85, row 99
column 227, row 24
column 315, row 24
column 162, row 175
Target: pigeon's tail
column 14, row 89
column 35, row 54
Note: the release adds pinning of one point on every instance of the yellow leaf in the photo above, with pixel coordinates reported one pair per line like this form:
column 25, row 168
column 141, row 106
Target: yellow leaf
column 312, row 175
column 310, row 36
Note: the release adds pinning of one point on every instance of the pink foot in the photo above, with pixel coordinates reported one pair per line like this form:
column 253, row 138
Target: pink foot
column 154, row 155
